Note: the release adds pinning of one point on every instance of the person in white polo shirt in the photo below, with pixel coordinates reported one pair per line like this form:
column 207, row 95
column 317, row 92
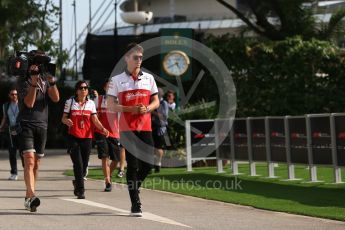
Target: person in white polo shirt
column 79, row 115
column 134, row 94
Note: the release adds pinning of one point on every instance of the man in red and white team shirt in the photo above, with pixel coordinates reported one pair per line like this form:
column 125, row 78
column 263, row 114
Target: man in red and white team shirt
column 79, row 115
column 134, row 94
column 108, row 147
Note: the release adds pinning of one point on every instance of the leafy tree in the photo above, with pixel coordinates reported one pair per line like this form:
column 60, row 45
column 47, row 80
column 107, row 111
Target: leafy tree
column 15, row 24
column 279, row 19
column 25, row 23
column 288, row 77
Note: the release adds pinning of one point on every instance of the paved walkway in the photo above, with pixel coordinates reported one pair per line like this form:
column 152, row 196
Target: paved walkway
column 60, row 210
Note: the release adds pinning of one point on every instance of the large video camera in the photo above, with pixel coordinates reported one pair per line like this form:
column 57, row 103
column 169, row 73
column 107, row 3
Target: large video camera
column 19, row 64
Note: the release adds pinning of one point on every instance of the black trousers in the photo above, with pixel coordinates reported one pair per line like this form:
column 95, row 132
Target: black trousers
column 139, row 156
column 12, row 150
column 79, row 150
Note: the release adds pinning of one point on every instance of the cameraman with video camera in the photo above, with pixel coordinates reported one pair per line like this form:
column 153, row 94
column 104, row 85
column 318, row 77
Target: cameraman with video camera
column 36, row 85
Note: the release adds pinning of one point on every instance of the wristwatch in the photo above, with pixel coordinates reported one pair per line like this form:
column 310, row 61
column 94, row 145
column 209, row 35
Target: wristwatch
column 52, row 83
column 148, row 109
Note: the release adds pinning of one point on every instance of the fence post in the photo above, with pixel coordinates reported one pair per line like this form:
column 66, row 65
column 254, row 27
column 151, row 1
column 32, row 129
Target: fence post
column 268, row 149
column 234, row 164
column 188, row 146
column 312, row 167
column 217, row 142
column 291, row 166
column 336, row 168
column 250, row 148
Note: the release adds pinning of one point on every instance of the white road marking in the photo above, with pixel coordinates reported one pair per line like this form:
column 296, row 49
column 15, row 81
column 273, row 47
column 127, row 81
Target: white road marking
column 146, row 215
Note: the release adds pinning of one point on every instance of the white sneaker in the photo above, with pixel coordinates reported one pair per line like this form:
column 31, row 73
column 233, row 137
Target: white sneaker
column 13, row 177
column 120, row 174
column 87, row 169
column 27, row 204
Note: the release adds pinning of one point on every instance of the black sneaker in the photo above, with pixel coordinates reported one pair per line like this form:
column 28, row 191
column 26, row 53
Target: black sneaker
column 32, row 203
column 108, row 187
column 136, row 210
column 74, row 187
column 157, row 169
column 80, row 195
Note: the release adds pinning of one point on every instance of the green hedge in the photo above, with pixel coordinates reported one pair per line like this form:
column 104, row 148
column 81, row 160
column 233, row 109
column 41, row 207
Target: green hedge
column 274, row 78
column 279, row 78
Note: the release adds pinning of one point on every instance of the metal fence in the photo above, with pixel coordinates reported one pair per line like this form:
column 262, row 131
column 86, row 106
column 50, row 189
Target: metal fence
column 312, row 140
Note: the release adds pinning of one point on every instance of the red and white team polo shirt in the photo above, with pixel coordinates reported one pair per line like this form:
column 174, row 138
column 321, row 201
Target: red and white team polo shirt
column 131, row 92
column 109, row 119
column 81, row 117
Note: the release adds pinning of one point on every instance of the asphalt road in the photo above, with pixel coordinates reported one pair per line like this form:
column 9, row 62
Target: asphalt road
column 61, row 210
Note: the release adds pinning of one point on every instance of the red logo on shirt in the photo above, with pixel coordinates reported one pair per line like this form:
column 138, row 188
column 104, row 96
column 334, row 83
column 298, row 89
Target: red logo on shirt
column 133, row 96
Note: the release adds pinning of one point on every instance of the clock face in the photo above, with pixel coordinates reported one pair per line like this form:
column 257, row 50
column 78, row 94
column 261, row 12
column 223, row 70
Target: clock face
column 176, row 63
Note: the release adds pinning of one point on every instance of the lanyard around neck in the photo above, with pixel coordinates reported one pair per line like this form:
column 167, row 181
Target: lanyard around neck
column 83, row 109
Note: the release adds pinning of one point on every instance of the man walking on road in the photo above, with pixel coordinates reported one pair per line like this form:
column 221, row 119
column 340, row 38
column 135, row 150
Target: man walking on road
column 134, row 94
column 9, row 120
column 35, row 91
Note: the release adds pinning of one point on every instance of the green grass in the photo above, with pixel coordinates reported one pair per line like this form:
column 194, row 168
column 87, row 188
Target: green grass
column 324, row 200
